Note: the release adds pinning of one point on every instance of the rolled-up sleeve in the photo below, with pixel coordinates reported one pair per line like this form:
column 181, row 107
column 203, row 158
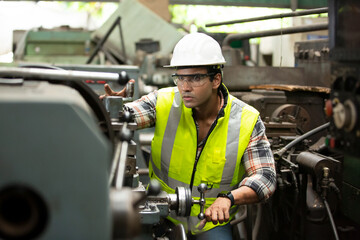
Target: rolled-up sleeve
column 143, row 110
column 259, row 164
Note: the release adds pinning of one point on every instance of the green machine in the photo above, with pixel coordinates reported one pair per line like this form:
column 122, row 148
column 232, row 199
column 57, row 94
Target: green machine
column 53, row 46
column 55, row 164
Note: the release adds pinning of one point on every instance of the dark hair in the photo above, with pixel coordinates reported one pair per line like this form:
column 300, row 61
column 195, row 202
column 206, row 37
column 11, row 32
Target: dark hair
column 214, row 69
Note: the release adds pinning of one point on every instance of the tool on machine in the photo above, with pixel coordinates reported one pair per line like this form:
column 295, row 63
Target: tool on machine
column 202, row 188
column 64, row 75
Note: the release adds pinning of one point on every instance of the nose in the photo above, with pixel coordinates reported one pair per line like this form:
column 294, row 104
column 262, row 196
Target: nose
column 186, row 86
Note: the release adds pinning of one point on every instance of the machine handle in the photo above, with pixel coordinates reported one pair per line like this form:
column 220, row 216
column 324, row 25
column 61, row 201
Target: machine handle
column 202, row 188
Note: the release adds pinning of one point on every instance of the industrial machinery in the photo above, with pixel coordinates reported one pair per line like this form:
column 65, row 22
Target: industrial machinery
column 343, row 106
column 122, row 40
column 68, row 162
column 58, row 45
column 312, row 122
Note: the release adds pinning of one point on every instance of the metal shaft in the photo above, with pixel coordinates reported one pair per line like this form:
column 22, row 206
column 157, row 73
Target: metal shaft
column 119, row 182
column 115, row 162
column 54, row 74
column 274, row 32
column 333, row 226
column 281, row 15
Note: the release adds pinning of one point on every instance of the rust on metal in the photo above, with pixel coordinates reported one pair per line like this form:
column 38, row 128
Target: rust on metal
column 292, row 88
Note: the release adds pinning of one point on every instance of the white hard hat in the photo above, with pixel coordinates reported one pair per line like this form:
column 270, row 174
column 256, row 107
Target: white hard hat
column 196, row 49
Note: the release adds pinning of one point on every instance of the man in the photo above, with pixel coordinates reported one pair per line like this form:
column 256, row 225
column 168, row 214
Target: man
column 205, row 135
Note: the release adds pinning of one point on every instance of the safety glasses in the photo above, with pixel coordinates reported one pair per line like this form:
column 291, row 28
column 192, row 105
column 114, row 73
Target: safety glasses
column 195, row 80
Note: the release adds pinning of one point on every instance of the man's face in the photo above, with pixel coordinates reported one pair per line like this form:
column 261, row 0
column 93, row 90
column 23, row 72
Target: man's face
column 195, row 89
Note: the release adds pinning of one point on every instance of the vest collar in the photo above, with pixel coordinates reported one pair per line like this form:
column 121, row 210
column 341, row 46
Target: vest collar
column 225, row 95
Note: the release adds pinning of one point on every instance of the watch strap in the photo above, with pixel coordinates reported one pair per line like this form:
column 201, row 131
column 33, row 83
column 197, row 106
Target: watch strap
column 227, row 195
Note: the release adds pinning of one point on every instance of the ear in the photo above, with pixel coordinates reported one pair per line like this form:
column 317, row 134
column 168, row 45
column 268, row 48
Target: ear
column 217, row 81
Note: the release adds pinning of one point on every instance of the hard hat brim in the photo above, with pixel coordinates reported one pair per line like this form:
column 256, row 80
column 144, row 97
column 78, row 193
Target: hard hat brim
column 193, row 65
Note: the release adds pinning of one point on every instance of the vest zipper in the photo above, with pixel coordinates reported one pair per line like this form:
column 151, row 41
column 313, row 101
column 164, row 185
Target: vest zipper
column 221, row 114
column 197, row 157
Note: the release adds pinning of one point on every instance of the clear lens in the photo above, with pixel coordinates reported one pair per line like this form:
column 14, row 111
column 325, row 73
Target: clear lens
column 194, row 80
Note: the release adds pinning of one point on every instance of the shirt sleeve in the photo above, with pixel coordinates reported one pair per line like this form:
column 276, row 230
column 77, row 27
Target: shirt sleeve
column 259, row 164
column 143, row 110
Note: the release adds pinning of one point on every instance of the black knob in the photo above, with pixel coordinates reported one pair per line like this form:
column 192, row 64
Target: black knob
column 154, row 188
column 123, row 78
column 126, row 117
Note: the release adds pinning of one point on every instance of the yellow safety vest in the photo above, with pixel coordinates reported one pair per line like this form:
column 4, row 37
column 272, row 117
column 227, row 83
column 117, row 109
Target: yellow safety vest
column 174, row 147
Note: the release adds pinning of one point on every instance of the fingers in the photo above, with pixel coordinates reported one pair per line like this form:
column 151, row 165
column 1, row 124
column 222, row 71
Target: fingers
column 202, row 224
column 226, row 216
column 108, row 90
column 122, row 93
column 215, row 217
column 220, row 216
column 208, row 214
column 218, row 212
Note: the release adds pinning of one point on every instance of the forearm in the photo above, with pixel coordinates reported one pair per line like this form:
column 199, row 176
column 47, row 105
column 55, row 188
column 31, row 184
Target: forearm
column 244, row 195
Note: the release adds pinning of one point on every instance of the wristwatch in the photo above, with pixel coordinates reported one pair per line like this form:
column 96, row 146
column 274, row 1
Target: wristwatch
column 227, row 195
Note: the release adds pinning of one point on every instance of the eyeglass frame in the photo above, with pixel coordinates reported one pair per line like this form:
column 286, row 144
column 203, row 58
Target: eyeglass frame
column 191, row 82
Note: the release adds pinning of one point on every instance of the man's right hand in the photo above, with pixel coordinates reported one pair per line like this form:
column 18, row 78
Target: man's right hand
column 110, row 92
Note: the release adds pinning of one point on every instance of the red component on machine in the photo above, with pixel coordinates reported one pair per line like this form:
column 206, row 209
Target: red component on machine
column 328, row 108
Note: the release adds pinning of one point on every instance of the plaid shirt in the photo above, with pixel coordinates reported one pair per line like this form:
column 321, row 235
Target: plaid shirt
column 257, row 159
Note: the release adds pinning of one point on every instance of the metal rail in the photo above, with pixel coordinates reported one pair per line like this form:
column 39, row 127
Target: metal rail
column 274, row 32
column 56, row 74
column 281, row 15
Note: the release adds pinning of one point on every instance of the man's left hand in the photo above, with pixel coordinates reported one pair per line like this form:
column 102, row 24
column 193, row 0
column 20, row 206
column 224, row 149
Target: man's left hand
column 218, row 212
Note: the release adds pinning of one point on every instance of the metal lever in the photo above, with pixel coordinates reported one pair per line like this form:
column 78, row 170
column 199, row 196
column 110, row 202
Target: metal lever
column 130, row 87
column 202, row 188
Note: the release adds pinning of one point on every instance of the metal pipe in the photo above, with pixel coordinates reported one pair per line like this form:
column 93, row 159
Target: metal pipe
column 281, row 15
column 279, row 153
column 143, row 171
column 239, row 219
column 55, row 74
column 331, row 219
column 256, row 228
column 274, row 32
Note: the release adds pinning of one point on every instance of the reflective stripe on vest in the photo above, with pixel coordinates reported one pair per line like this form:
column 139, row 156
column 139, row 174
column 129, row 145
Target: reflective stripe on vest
column 175, row 144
